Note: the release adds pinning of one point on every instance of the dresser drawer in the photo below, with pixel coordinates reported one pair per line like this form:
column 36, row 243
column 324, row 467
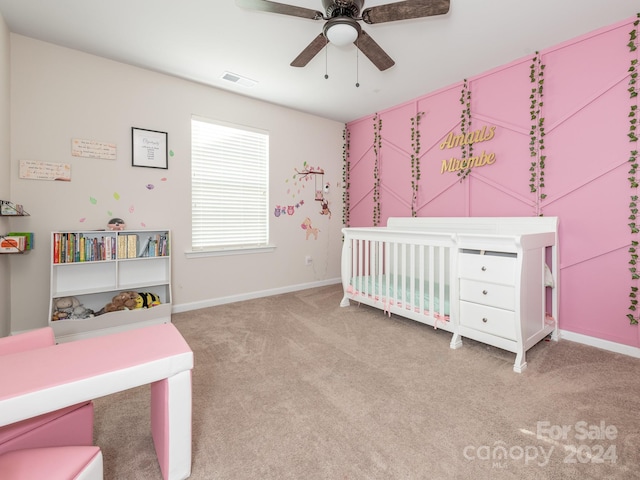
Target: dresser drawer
column 492, row 294
column 488, row 268
column 494, row 321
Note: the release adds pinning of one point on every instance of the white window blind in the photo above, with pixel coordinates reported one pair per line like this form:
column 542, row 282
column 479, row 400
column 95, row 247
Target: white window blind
column 229, row 187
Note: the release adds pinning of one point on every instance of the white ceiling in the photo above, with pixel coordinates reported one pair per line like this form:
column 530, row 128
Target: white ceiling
column 201, row 39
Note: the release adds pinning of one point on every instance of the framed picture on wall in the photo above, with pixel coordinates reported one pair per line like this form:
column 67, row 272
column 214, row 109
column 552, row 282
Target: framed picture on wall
column 148, row 148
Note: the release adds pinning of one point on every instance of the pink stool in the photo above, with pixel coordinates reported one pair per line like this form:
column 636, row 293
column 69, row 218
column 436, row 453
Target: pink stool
column 52, row 463
column 72, row 425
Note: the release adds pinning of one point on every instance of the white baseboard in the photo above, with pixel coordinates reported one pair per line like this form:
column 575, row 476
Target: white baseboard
column 186, row 307
column 600, row 343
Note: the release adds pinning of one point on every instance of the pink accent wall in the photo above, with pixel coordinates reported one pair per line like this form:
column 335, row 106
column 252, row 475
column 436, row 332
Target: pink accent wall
column 586, row 108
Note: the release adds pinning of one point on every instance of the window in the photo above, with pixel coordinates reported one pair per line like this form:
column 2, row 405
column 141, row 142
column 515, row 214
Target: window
column 229, row 186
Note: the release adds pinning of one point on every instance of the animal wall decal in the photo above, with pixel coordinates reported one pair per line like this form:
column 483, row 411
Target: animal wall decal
column 310, row 229
column 325, row 208
column 284, row 210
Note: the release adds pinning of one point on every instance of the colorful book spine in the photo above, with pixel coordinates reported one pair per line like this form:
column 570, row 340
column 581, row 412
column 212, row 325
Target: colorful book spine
column 83, row 248
column 132, row 246
column 122, row 246
column 56, row 248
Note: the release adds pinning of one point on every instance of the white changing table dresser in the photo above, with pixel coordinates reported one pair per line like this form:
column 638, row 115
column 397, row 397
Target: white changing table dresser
column 502, row 293
column 504, row 281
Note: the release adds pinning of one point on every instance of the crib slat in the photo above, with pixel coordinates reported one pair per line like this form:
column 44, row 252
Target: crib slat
column 442, row 282
column 360, row 262
column 392, row 260
column 383, row 291
column 412, row 276
column 421, row 284
column 366, row 260
column 403, row 277
column 431, row 307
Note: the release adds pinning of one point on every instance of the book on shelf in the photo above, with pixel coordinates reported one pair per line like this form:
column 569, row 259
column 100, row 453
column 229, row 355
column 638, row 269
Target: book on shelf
column 122, row 246
column 143, row 251
column 154, row 246
column 108, row 254
column 132, row 245
column 28, row 236
column 9, row 208
column 63, row 248
column 13, row 244
column 164, row 245
column 72, row 247
column 56, row 248
column 83, row 249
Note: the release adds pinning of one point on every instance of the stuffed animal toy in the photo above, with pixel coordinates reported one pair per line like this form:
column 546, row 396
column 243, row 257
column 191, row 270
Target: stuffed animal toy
column 111, row 307
column 132, row 299
column 116, row 224
column 69, row 307
column 122, row 301
column 63, row 307
column 147, row 300
column 81, row 312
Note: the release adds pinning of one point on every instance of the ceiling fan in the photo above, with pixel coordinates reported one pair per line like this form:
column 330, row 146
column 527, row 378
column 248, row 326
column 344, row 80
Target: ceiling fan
column 341, row 23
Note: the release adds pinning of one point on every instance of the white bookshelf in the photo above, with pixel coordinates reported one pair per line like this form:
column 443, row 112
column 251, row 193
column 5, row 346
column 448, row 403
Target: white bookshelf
column 94, row 274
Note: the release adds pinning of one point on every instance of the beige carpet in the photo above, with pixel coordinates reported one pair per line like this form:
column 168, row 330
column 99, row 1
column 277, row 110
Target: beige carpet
column 295, row 387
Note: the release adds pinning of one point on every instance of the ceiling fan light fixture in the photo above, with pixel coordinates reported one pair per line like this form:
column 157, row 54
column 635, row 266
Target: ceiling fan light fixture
column 342, row 25
column 342, row 31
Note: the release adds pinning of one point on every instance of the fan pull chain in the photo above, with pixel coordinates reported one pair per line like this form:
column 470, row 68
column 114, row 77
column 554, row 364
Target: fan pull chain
column 326, row 58
column 357, row 64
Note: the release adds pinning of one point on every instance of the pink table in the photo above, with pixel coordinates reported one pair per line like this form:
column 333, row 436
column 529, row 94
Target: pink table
column 47, row 379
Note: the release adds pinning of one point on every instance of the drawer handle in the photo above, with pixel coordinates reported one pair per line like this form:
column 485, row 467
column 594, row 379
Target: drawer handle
column 484, row 292
column 484, row 269
column 484, row 320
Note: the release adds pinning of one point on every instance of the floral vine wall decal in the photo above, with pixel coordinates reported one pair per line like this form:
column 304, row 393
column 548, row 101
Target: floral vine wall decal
column 536, row 143
column 465, row 126
column 415, row 161
column 346, row 176
column 377, row 145
column 633, row 180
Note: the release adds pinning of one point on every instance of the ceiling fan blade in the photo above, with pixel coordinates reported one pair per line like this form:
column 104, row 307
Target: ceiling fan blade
column 274, row 7
column 373, row 51
column 405, row 10
column 310, row 51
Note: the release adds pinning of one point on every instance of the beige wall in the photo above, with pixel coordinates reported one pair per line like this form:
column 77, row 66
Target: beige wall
column 60, row 94
column 5, row 166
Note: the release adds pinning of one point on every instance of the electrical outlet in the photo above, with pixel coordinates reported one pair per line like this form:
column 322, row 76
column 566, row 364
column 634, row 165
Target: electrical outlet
column 308, row 260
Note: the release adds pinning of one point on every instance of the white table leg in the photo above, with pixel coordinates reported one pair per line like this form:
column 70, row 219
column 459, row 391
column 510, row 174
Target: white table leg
column 171, row 425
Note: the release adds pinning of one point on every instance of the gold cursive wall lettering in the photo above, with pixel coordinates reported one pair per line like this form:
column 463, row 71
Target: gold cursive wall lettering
column 453, row 164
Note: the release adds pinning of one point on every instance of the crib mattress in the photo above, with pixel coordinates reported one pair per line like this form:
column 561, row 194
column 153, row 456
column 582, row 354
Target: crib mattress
column 376, row 287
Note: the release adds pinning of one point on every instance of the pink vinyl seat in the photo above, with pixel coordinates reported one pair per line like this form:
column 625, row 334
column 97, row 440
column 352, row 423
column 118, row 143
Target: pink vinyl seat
column 70, row 426
column 52, row 463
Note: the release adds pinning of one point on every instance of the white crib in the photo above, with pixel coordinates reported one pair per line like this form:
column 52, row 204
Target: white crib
column 492, row 279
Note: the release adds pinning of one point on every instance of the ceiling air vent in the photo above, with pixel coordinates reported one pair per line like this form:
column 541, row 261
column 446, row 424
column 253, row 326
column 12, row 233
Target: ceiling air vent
column 234, row 78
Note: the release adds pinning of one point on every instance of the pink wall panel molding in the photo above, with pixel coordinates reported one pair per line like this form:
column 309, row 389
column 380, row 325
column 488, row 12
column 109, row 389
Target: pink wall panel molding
column 552, row 135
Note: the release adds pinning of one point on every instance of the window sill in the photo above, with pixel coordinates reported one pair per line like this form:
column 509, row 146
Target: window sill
column 229, row 251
